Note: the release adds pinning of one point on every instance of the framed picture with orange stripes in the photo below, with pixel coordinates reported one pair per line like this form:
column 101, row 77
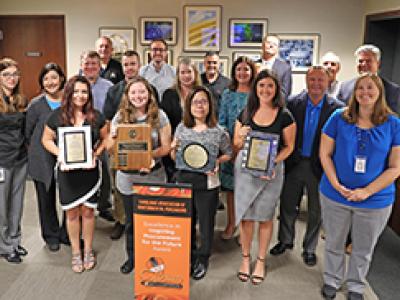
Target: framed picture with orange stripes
column 202, row 28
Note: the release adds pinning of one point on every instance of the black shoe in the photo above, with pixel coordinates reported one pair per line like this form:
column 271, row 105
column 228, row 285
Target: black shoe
column 328, row 292
column 13, row 258
column 221, row 205
column 354, row 296
column 127, row 267
column 199, row 271
column 280, row 248
column 309, row 258
column 106, row 215
column 65, row 241
column 21, row 251
column 54, row 247
column 117, row 231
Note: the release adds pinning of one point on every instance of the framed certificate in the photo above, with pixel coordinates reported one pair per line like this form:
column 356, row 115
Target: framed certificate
column 259, row 153
column 75, row 145
column 196, row 157
column 133, row 146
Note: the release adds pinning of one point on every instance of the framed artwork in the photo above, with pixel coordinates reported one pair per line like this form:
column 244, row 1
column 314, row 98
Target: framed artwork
column 202, row 28
column 123, row 38
column 199, row 63
column 247, row 32
column 158, row 28
column 253, row 55
column 300, row 50
column 147, row 58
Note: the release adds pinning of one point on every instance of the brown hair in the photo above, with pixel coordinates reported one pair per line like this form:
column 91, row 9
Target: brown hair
column 188, row 119
column 17, row 101
column 187, row 62
column 381, row 109
column 68, row 106
column 234, row 83
column 127, row 110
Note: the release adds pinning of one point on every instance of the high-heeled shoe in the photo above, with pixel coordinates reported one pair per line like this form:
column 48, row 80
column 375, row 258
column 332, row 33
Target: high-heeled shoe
column 226, row 237
column 257, row 279
column 244, row 276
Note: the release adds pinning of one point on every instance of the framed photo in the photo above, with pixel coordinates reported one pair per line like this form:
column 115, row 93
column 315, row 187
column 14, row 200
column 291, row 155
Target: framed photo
column 123, row 38
column 199, row 63
column 202, row 28
column 147, row 57
column 247, row 32
column 300, row 50
column 75, row 145
column 157, row 28
column 253, row 55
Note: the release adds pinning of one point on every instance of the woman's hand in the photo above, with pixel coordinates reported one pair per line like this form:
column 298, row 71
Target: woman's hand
column 269, row 177
column 216, row 169
column 244, row 130
column 175, row 144
column 359, row 194
column 344, row 191
column 145, row 171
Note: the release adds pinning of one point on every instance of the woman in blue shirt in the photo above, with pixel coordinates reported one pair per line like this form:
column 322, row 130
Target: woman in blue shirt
column 360, row 155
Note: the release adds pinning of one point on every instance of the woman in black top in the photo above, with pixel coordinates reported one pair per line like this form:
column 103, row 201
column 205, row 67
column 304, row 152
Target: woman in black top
column 78, row 187
column 12, row 161
column 256, row 197
column 40, row 162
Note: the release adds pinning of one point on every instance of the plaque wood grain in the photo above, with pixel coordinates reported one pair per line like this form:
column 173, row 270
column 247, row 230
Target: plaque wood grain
column 133, row 147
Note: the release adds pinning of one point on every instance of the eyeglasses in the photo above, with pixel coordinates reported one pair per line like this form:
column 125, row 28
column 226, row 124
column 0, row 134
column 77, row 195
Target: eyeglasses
column 200, row 102
column 157, row 49
column 10, row 75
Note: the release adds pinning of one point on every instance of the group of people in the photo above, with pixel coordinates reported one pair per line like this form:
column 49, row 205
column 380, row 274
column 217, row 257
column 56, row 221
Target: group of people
column 346, row 158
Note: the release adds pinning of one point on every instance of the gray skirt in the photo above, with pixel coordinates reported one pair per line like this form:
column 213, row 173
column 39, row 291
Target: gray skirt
column 256, row 199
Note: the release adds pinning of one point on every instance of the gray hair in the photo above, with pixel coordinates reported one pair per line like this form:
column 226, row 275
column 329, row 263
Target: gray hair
column 369, row 48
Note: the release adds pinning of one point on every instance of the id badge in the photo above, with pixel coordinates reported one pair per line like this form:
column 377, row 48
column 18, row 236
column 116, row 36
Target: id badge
column 360, row 165
column 2, row 175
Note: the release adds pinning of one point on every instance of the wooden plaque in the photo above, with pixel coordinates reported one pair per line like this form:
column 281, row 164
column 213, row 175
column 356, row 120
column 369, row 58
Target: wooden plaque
column 132, row 148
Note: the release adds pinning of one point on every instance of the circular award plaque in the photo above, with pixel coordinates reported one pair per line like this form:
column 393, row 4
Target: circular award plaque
column 195, row 156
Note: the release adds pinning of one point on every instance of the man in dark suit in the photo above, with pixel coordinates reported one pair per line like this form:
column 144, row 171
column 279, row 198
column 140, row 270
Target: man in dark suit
column 270, row 60
column 311, row 109
column 111, row 69
column 368, row 60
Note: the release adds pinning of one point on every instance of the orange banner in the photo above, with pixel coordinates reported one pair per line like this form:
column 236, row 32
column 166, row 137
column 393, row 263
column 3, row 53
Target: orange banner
column 162, row 242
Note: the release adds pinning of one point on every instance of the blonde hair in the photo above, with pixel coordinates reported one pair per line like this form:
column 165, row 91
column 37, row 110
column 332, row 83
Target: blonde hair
column 127, row 110
column 187, row 62
column 17, row 101
column 381, row 110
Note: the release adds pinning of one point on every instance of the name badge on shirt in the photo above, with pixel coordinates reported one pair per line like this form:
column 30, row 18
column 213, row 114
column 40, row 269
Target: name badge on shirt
column 360, row 165
column 2, row 175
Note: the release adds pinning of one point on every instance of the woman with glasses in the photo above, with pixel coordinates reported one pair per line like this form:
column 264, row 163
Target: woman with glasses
column 40, row 162
column 13, row 157
column 200, row 128
column 360, row 155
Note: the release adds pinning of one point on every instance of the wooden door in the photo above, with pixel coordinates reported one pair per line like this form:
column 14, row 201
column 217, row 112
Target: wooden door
column 32, row 41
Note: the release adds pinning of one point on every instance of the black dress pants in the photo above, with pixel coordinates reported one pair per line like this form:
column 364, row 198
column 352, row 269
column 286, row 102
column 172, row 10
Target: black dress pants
column 52, row 232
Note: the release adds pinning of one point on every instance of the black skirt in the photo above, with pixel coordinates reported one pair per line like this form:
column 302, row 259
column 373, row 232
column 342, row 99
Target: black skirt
column 79, row 187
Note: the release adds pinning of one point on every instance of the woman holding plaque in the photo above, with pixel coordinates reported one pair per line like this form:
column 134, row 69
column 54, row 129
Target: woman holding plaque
column 173, row 100
column 40, row 162
column 139, row 106
column 210, row 146
column 233, row 101
column 360, row 155
column 256, row 196
column 12, row 161
column 77, row 187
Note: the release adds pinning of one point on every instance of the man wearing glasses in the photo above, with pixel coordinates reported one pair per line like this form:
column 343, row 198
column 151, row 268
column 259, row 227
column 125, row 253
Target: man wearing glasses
column 158, row 72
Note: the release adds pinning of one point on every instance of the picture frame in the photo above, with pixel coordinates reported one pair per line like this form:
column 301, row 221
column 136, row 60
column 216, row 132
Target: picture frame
column 123, row 38
column 202, row 28
column 158, row 28
column 247, row 33
column 199, row 63
column 300, row 50
column 253, row 55
column 147, row 58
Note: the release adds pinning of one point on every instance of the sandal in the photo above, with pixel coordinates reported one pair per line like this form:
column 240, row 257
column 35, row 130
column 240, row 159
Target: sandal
column 89, row 260
column 76, row 263
column 244, row 277
column 256, row 279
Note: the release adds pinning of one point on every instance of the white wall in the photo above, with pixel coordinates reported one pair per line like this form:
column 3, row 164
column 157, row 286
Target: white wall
column 339, row 23
column 376, row 6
